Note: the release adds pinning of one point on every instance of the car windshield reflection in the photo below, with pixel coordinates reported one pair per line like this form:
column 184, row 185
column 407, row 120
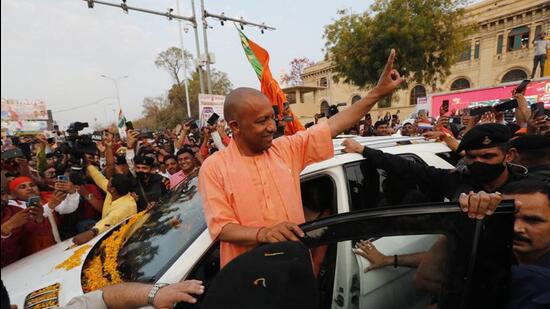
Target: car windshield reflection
column 161, row 237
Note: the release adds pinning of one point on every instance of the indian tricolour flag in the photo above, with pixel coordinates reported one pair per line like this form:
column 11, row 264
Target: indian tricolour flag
column 121, row 125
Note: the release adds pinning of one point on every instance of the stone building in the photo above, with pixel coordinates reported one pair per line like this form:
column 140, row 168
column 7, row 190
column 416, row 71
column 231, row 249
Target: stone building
column 501, row 51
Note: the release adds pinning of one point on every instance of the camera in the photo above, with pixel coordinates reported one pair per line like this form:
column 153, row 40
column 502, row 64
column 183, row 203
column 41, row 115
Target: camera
column 76, row 146
column 75, row 127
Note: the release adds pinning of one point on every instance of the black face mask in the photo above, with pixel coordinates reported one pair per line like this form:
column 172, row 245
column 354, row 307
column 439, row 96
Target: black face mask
column 142, row 176
column 484, row 173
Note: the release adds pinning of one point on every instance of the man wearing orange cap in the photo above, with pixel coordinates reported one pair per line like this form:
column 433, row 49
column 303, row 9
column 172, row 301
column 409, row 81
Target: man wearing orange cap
column 24, row 230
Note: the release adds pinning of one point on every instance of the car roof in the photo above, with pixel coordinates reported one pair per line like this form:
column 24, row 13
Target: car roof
column 389, row 144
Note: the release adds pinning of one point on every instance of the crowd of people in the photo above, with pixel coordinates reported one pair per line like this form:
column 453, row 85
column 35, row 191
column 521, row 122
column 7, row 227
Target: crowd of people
column 69, row 185
column 66, row 185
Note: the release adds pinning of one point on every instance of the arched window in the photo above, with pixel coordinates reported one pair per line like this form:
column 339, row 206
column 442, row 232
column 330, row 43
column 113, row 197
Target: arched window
column 513, row 76
column 323, row 82
column 417, row 92
column 324, row 107
column 459, row 84
column 355, row 98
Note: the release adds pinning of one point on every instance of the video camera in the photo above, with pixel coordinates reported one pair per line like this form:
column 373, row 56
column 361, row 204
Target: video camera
column 76, row 146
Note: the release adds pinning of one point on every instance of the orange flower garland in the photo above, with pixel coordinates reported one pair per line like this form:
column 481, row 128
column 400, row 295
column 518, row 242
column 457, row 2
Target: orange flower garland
column 98, row 274
column 74, row 260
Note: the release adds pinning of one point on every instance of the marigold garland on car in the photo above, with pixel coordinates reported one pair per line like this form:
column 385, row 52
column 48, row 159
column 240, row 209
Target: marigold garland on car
column 102, row 270
column 74, row 260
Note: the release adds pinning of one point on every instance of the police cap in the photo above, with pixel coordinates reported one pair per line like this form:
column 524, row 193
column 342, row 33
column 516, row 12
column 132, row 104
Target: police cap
column 485, row 136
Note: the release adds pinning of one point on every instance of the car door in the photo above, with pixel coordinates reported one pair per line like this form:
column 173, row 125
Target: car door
column 466, row 262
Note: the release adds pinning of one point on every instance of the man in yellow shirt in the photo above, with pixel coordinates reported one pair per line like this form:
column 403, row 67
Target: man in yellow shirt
column 118, row 204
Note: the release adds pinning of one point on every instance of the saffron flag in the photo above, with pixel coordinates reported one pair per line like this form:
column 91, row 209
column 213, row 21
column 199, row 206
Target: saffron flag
column 259, row 59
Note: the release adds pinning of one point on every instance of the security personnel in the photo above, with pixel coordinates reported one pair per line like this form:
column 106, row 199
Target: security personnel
column 149, row 186
column 488, row 169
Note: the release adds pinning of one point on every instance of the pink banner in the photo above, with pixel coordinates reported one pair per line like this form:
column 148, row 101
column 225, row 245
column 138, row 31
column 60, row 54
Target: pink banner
column 537, row 91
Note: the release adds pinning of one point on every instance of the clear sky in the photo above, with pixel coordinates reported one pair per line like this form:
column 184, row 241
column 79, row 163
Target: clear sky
column 56, row 50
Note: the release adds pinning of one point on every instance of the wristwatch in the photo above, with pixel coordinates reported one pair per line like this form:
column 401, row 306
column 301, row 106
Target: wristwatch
column 153, row 292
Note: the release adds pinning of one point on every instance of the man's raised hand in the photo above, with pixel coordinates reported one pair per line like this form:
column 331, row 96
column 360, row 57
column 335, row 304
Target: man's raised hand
column 389, row 79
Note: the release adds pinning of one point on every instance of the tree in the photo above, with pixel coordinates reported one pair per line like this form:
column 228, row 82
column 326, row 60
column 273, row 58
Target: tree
column 428, row 35
column 297, row 66
column 171, row 60
column 160, row 112
column 176, row 95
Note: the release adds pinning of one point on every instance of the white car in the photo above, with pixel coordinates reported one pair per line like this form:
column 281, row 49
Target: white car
column 171, row 243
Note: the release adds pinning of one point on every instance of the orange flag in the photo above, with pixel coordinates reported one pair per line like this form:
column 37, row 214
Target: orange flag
column 259, row 59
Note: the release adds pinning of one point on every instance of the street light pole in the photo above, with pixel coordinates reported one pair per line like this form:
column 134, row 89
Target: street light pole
column 205, row 29
column 116, row 86
column 197, row 46
column 222, row 18
column 184, row 63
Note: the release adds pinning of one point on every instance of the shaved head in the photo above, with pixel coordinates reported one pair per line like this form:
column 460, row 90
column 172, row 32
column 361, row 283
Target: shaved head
column 250, row 116
column 237, row 99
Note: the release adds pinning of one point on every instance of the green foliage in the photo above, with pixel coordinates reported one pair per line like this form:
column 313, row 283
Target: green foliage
column 428, row 36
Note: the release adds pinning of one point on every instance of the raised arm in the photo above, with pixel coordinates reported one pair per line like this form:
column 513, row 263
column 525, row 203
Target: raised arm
column 389, row 80
column 109, row 155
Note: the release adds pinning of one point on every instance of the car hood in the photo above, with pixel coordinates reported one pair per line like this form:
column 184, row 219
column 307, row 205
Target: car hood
column 38, row 271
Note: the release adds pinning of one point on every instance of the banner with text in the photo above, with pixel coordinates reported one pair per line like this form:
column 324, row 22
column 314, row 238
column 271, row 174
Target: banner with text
column 16, row 110
column 536, row 91
column 209, row 104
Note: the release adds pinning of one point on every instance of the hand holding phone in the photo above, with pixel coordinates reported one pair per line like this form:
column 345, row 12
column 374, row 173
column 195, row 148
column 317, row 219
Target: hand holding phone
column 506, row 105
column 444, row 107
column 537, row 109
column 36, row 213
column 62, row 178
column 522, row 86
column 33, row 201
column 213, row 119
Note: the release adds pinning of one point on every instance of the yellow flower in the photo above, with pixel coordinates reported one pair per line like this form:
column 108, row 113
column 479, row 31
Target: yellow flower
column 74, row 260
column 98, row 274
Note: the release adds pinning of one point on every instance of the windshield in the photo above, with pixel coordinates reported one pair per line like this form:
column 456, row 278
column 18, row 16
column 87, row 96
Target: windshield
column 163, row 236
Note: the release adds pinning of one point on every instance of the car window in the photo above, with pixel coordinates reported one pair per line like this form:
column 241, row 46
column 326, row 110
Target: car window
column 366, row 276
column 451, row 157
column 168, row 231
column 370, row 187
column 318, row 196
column 319, row 200
column 444, row 258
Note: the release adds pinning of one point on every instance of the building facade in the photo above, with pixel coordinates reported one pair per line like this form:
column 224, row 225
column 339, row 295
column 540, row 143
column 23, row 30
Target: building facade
column 501, row 51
